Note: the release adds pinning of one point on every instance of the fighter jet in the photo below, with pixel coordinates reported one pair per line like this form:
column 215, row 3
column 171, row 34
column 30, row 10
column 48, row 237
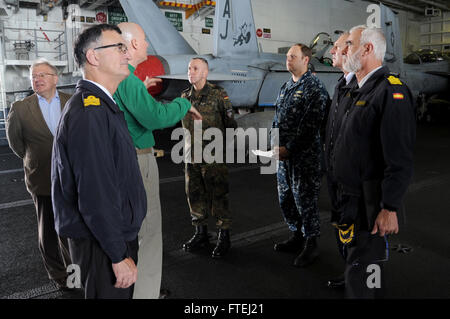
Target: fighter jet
column 424, row 80
column 251, row 78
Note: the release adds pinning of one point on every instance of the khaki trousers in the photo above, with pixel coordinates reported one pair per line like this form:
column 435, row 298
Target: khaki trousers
column 149, row 267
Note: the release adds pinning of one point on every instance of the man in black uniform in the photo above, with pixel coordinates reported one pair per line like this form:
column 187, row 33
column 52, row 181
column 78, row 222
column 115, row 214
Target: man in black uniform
column 337, row 109
column 371, row 161
column 98, row 195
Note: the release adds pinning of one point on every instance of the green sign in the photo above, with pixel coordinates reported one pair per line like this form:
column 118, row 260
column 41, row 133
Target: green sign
column 209, row 22
column 176, row 18
column 116, row 15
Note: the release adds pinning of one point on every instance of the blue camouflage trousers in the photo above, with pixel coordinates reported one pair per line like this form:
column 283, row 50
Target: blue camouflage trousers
column 298, row 194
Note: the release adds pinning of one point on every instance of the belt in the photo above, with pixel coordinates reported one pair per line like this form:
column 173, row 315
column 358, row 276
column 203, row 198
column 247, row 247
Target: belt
column 150, row 150
column 144, row 151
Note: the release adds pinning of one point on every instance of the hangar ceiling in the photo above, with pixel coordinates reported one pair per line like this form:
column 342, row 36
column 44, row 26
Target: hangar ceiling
column 420, row 7
column 415, row 6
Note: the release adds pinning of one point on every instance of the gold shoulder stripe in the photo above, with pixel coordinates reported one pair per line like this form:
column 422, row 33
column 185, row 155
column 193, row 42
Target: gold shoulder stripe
column 394, row 81
column 91, row 100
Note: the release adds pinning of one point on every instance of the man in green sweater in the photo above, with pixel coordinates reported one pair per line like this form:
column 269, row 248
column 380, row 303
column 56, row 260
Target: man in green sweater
column 144, row 114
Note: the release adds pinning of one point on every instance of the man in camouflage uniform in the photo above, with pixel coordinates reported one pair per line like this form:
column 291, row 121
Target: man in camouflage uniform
column 207, row 179
column 300, row 109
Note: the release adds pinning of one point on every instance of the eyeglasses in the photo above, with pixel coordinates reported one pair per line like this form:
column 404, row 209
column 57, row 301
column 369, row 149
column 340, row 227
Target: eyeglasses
column 121, row 46
column 40, row 75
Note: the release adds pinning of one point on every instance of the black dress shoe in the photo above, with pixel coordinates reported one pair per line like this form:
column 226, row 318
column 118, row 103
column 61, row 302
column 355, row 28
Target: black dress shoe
column 164, row 293
column 62, row 285
column 337, row 283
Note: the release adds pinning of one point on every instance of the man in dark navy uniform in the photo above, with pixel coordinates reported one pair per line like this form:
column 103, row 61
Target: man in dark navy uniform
column 372, row 162
column 337, row 109
column 98, row 195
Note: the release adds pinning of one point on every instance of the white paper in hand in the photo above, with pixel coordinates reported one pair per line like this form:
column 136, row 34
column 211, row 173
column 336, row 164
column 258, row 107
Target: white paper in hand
column 269, row 154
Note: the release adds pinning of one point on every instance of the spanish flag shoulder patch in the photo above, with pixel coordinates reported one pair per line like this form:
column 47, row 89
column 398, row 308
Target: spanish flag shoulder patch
column 91, row 100
column 398, row 96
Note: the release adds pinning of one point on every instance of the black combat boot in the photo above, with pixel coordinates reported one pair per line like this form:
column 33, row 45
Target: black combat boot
column 223, row 243
column 309, row 253
column 292, row 245
column 199, row 240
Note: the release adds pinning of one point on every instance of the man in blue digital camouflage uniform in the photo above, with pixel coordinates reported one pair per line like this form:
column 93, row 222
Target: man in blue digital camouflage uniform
column 300, row 110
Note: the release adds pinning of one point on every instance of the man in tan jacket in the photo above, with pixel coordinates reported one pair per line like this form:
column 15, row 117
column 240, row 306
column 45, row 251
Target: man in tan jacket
column 30, row 128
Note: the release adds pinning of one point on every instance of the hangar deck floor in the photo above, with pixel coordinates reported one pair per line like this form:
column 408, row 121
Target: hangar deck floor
column 252, row 269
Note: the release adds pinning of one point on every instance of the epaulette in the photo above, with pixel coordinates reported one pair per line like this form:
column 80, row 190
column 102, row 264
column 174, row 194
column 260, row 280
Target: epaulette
column 91, row 100
column 394, row 80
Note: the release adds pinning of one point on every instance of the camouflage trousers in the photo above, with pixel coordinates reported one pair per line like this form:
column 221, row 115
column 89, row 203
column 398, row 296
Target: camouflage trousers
column 207, row 193
column 298, row 193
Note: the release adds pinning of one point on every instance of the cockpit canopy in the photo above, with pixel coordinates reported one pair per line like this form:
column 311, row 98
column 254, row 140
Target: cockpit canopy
column 426, row 56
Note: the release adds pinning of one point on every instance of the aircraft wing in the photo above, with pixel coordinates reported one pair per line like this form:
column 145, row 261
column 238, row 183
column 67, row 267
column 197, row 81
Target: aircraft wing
column 439, row 73
column 211, row 77
column 278, row 68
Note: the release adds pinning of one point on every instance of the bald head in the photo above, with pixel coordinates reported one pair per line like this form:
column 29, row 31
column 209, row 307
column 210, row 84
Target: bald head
column 130, row 30
column 134, row 36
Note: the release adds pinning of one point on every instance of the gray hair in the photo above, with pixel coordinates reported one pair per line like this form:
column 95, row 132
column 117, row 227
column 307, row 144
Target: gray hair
column 43, row 61
column 375, row 36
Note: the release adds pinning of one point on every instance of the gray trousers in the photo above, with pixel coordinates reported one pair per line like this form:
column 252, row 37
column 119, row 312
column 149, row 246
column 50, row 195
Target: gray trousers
column 148, row 283
column 54, row 249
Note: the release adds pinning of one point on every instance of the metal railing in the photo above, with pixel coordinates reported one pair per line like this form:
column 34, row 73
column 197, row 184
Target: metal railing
column 39, row 42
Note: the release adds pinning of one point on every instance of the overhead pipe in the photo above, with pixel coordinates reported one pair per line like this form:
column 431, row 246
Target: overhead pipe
column 401, row 6
column 436, row 4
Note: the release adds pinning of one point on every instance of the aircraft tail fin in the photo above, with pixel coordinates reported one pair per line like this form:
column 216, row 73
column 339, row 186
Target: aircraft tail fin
column 150, row 18
column 234, row 32
column 391, row 28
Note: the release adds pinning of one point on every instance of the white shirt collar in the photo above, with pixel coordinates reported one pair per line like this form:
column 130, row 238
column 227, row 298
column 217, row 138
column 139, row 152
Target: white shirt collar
column 43, row 98
column 367, row 77
column 102, row 87
column 349, row 77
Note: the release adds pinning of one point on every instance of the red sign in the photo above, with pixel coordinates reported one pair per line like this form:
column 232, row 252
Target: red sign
column 100, row 17
column 259, row 33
